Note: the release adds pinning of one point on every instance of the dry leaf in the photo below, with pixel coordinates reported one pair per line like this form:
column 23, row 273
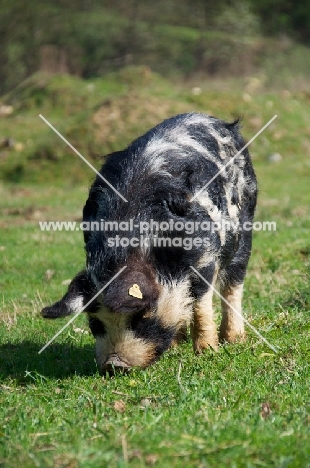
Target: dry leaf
column 66, row 282
column 262, row 355
column 145, row 402
column 119, row 406
column 80, row 330
column 151, row 459
column 49, row 274
column 266, row 410
column 134, row 454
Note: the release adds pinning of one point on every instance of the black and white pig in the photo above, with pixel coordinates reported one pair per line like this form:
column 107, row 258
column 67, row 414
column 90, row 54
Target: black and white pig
column 148, row 307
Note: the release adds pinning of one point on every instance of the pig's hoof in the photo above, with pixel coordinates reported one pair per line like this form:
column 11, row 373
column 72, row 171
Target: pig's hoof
column 201, row 344
column 232, row 336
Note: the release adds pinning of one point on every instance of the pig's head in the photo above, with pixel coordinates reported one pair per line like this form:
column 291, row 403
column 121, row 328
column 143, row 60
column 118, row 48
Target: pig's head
column 134, row 320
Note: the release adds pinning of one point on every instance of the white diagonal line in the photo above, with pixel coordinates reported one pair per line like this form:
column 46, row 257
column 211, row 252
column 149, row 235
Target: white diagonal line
column 82, row 157
column 78, row 313
column 232, row 159
column 236, row 311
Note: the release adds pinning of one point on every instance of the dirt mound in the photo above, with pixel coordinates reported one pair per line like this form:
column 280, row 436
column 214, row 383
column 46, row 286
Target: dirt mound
column 120, row 120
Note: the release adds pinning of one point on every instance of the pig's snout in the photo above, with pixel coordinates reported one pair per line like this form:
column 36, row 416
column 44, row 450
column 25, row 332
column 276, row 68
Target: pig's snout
column 114, row 365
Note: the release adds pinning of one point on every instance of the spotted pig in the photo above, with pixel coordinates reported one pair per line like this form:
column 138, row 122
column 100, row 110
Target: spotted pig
column 183, row 172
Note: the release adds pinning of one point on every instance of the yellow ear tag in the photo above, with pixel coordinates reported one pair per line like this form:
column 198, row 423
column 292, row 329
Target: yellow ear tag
column 135, row 291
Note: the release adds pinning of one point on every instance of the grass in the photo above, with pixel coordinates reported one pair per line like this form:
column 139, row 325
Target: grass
column 244, row 406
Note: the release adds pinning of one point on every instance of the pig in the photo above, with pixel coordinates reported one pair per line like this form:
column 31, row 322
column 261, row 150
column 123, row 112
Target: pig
column 183, row 172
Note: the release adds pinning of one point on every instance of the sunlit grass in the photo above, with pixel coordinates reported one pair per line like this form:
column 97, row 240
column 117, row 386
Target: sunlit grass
column 243, row 406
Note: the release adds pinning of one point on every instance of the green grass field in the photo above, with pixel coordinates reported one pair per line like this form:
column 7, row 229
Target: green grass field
column 244, row 406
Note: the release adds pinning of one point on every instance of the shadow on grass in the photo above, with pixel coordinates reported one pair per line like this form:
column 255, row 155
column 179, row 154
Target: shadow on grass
column 21, row 361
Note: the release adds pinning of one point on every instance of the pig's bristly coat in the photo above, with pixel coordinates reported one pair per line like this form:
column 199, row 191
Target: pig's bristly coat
column 161, row 174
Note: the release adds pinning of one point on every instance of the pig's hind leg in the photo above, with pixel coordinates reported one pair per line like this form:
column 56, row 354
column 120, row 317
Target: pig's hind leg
column 203, row 327
column 231, row 281
column 232, row 324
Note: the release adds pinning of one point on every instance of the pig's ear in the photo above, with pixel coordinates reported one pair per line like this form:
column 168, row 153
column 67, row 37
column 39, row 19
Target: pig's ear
column 79, row 293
